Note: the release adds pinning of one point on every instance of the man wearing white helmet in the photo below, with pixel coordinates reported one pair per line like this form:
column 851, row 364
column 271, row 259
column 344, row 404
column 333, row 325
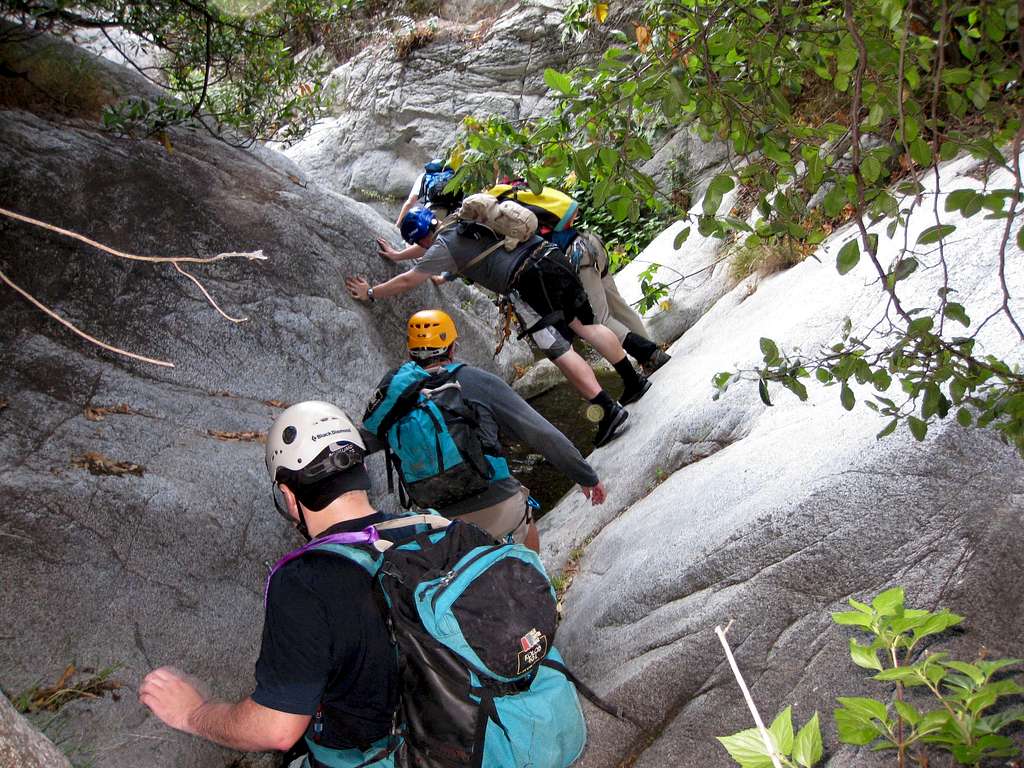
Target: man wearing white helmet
column 327, row 669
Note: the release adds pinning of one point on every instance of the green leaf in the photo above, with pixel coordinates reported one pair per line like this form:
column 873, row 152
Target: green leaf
column 852, row 619
column 907, row 711
column 721, row 184
column 889, row 602
column 848, row 256
column 936, row 623
column 917, row 428
column 807, row 748
column 956, row 76
column 823, row 376
column 835, row 199
column 921, row 326
column 769, row 350
column 888, row 430
column 680, row 238
column 558, row 81
column 781, row 730
column 973, row 672
column 846, row 397
column 958, row 199
column 957, row 312
column 762, row 390
column 871, row 169
column 747, row 748
column 964, row 418
column 905, row 675
column 935, row 233
column 979, row 92
column 863, row 656
column 920, row 152
column 846, row 60
column 869, row 709
column 1020, row 238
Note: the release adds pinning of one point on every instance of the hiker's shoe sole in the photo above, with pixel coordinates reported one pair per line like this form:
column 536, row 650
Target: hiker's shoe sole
column 605, row 435
column 632, row 397
column 660, row 358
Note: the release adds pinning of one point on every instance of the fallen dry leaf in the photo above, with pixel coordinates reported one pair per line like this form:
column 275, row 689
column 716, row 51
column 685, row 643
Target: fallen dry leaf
column 238, row 437
column 99, row 413
column 98, row 464
column 3, row 403
column 276, row 403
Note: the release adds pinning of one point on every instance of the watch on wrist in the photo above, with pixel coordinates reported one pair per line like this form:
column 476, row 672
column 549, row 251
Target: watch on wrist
column 369, row 294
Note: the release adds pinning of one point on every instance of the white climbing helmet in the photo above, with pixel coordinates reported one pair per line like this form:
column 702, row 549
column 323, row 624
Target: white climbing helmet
column 315, row 439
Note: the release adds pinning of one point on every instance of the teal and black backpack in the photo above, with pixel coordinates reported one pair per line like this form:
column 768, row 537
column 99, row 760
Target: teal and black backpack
column 482, row 684
column 433, row 437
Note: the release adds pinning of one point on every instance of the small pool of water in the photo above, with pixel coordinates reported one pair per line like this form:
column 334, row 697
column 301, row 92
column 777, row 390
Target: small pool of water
column 564, row 408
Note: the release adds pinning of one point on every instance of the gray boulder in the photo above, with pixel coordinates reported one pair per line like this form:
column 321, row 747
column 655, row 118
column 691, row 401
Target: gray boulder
column 22, row 746
column 773, row 517
column 395, row 113
column 137, row 525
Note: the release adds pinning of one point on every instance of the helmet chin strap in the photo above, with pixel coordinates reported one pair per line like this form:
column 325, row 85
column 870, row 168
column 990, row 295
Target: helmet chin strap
column 282, row 509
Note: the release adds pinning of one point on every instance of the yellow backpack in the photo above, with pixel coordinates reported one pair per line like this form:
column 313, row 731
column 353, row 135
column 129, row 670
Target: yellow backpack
column 553, row 208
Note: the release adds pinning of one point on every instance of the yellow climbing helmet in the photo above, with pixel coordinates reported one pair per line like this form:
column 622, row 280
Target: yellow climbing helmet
column 430, row 331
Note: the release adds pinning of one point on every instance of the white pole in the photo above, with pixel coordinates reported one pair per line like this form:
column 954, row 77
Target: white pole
column 746, row 695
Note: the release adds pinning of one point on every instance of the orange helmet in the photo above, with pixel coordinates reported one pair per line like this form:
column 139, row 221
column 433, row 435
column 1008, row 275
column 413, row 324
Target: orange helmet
column 430, row 331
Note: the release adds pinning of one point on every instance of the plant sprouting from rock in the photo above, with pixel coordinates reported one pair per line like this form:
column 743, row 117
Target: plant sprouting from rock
column 935, row 702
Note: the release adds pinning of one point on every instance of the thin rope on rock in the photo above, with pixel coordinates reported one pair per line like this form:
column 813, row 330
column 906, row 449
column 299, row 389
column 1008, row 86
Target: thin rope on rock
column 32, row 299
column 250, row 255
column 768, row 745
column 209, row 298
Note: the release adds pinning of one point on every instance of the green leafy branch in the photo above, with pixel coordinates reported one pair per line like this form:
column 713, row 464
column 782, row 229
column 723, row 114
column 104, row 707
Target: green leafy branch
column 966, row 719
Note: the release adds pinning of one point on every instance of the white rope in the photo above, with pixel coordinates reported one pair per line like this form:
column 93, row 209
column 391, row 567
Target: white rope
column 746, row 695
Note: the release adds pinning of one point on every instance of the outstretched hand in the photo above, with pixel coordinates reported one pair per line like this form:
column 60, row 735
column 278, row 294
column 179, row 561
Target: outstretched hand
column 386, row 251
column 172, row 696
column 357, row 287
column 595, row 493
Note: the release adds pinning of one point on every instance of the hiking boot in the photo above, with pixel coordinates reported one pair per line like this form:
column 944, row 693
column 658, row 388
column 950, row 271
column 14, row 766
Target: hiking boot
column 634, row 393
column 612, row 420
column 654, row 362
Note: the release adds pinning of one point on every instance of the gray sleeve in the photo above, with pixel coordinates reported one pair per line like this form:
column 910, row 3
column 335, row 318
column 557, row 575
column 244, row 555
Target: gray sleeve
column 514, row 414
column 436, row 260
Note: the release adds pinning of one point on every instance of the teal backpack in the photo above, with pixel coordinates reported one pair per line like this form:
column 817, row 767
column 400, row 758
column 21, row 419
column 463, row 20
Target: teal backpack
column 433, row 437
column 474, row 623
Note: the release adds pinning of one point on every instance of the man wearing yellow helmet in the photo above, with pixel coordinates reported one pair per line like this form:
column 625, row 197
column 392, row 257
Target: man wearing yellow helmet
column 474, row 482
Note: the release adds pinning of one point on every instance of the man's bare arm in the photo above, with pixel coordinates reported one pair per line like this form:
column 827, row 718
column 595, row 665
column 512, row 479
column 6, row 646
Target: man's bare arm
column 176, row 699
column 358, row 287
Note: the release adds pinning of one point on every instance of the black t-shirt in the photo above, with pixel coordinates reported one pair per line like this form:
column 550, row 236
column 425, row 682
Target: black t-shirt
column 325, row 641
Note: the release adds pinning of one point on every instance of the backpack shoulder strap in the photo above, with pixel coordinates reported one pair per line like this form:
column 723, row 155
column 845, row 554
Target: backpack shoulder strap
column 480, row 257
column 348, row 545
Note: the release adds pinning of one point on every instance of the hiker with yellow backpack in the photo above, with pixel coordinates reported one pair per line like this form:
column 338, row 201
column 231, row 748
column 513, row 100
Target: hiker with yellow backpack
column 546, row 295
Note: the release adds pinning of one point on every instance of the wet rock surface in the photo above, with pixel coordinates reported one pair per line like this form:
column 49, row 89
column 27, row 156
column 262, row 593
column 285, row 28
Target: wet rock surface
column 165, row 563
